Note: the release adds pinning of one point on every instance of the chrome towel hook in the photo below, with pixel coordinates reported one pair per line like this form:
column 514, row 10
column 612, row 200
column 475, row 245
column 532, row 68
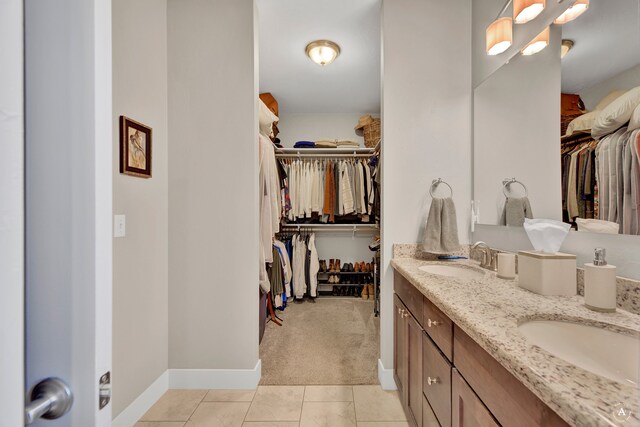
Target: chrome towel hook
column 506, row 184
column 437, row 182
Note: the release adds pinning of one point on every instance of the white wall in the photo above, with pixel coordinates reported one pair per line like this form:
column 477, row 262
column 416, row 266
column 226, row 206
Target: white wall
column 623, row 81
column 517, row 133
column 426, row 110
column 213, row 185
column 11, row 214
column 140, row 273
column 311, row 127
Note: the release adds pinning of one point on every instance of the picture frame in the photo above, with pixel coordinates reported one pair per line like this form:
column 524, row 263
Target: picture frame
column 135, row 148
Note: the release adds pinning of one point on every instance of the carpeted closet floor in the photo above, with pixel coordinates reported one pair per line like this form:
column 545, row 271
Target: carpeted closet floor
column 335, row 341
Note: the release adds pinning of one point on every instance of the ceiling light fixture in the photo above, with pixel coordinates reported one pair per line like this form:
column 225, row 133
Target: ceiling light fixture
column 499, row 36
column 322, row 52
column 526, row 10
column 577, row 9
column 565, row 47
column 537, row 44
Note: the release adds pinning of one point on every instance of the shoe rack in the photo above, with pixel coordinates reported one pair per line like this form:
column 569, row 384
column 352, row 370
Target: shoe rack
column 351, row 279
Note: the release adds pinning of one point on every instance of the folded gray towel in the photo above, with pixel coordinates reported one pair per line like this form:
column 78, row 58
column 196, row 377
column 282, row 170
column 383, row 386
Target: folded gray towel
column 441, row 233
column 516, row 209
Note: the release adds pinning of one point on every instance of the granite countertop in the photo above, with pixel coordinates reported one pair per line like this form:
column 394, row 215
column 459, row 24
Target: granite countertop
column 489, row 310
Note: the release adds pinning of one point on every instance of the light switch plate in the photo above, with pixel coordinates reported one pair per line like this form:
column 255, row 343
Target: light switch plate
column 119, row 226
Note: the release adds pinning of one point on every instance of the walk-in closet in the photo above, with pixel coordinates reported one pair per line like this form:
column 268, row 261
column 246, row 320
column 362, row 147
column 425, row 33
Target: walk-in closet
column 320, row 191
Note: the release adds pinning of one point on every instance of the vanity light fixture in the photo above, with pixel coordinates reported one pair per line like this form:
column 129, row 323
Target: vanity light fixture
column 577, row 9
column 322, row 52
column 499, row 36
column 537, row 44
column 526, row 10
column 565, row 47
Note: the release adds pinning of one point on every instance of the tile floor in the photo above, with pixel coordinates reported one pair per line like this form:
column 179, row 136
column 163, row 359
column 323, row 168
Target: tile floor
column 278, row 406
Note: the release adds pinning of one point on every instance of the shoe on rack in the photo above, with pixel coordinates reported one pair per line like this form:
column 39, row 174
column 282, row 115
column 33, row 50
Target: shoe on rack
column 345, row 268
column 331, row 265
column 356, row 267
column 365, row 292
column 336, row 266
column 334, row 291
column 323, row 265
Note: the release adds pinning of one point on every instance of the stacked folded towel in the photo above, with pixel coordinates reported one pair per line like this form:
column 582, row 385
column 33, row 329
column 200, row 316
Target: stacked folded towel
column 326, row 143
column 347, row 143
column 304, row 144
column 441, row 232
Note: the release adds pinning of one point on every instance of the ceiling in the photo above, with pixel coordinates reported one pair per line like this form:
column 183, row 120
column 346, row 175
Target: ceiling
column 607, row 42
column 351, row 84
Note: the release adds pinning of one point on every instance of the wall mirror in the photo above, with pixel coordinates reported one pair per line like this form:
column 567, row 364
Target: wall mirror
column 523, row 132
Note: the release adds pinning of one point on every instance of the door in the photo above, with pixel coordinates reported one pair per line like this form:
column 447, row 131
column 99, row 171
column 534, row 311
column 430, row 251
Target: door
column 68, row 152
column 467, row 409
column 400, row 357
column 11, row 214
column 414, row 369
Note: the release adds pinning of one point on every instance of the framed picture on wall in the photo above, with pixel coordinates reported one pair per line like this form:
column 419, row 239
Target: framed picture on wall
column 135, row 148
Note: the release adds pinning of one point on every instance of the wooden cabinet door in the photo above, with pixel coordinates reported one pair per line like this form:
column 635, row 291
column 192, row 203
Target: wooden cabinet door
column 467, row 409
column 436, row 375
column 414, row 369
column 400, row 357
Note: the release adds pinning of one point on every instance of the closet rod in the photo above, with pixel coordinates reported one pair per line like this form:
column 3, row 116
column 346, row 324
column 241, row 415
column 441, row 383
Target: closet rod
column 313, row 155
column 329, row 227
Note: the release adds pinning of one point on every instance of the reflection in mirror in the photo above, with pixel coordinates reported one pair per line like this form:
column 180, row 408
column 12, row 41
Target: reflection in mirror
column 600, row 93
column 516, row 114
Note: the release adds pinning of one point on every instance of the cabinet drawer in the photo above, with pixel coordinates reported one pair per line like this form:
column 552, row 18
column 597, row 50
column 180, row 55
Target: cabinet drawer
column 510, row 402
column 409, row 294
column 468, row 410
column 436, row 380
column 428, row 417
column 439, row 327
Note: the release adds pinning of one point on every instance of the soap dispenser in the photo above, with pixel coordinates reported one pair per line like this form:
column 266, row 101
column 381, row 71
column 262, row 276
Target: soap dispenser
column 600, row 291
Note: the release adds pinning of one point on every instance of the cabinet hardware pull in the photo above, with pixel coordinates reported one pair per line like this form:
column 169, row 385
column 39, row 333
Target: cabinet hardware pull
column 431, row 323
column 432, row 381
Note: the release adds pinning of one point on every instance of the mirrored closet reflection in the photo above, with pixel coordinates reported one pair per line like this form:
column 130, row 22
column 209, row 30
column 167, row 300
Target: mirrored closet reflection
column 557, row 134
column 320, row 152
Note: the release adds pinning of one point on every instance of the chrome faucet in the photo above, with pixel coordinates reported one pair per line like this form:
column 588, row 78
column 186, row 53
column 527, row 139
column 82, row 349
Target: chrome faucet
column 487, row 255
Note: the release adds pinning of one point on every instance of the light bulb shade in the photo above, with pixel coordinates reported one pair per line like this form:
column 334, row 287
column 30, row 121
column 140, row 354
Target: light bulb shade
column 499, row 36
column 526, row 10
column 565, row 47
column 537, row 44
column 577, row 9
column 322, row 52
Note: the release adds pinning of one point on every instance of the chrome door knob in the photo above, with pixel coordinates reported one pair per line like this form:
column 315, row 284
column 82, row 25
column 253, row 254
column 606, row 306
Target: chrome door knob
column 50, row 399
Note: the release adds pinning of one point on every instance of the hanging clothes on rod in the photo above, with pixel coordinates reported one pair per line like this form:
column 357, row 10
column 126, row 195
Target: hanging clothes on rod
column 304, row 264
column 328, row 190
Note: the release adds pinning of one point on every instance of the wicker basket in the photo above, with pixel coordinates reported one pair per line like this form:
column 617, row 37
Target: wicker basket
column 371, row 134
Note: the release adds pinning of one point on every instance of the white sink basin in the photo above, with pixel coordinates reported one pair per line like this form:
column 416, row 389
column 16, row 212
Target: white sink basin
column 607, row 353
column 457, row 271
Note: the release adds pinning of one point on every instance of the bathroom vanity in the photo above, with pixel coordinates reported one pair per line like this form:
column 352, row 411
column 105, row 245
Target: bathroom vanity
column 460, row 359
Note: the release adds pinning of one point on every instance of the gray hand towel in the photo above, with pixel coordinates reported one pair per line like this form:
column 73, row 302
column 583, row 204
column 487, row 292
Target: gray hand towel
column 441, row 233
column 516, row 209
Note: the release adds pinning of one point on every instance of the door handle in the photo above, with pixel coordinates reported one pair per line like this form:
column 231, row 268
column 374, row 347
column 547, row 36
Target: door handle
column 50, row 399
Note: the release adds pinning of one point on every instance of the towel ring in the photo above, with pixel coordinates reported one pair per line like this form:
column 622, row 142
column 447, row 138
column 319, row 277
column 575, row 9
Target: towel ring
column 507, row 182
column 437, row 182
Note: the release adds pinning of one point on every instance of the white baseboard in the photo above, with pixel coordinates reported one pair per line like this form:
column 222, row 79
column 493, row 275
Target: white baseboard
column 215, row 378
column 385, row 376
column 141, row 405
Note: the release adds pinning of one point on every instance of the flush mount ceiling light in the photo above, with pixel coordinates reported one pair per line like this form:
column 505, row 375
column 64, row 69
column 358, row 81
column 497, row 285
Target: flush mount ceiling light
column 537, row 44
column 565, row 47
column 577, row 9
column 322, row 52
column 499, row 36
column 526, row 10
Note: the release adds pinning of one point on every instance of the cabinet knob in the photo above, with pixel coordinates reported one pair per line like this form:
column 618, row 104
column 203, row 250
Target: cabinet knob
column 433, row 323
column 405, row 314
column 432, row 381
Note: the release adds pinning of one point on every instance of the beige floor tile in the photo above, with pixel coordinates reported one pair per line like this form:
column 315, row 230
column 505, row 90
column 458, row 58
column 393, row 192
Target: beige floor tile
column 219, row 414
column 229, row 396
column 271, row 424
column 383, row 424
column 159, row 424
column 374, row 404
column 328, row 414
column 175, row 405
column 276, row 403
column 328, row 393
